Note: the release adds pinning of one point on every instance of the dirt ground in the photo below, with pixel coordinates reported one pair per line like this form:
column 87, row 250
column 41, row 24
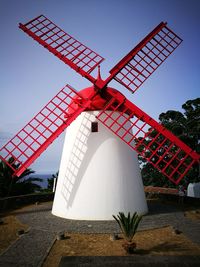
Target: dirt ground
column 193, row 214
column 162, row 241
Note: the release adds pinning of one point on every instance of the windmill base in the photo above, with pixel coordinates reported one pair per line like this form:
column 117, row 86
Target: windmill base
column 99, row 174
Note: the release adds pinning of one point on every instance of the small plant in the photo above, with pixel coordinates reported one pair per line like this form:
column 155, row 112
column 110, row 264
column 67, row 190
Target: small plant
column 128, row 226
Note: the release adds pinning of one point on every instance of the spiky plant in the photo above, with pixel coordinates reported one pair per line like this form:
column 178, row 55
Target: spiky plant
column 128, row 225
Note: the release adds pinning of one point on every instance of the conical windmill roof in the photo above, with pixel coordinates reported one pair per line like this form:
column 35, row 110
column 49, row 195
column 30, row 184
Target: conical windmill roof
column 98, row 101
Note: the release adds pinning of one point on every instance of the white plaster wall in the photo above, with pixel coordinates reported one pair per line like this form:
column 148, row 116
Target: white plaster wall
column 99, row 174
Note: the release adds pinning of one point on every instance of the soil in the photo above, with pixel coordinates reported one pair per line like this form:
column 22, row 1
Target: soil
column 193, row 214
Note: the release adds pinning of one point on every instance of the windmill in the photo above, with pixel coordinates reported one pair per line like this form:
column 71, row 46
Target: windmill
column 99, row 173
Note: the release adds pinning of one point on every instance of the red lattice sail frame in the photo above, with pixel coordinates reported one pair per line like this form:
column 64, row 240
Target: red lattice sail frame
column 133, row 70
column 42, row 130
column 72, row 52
column 150, row 139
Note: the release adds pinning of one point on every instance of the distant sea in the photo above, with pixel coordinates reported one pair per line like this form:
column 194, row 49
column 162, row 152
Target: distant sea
column 42, row 176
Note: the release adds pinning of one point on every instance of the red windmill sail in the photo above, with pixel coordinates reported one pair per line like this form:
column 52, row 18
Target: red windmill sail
column 151, row 140
column 27, row 145
column 164, row 151
column 133, row 70
column 73, row 53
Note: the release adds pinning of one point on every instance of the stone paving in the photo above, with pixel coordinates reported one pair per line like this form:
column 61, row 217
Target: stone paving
column 136, row 261
column 31, row 248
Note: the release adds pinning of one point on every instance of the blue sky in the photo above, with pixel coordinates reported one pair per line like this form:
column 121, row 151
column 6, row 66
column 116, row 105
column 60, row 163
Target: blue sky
column 31, row 76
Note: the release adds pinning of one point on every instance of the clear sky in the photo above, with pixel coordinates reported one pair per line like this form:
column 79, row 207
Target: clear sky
column 30, row 76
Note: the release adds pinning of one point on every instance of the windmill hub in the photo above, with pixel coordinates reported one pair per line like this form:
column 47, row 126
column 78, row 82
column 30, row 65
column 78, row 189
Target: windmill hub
column 99, row 100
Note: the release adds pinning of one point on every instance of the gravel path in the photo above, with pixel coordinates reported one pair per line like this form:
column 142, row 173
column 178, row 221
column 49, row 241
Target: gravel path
column 31, row 248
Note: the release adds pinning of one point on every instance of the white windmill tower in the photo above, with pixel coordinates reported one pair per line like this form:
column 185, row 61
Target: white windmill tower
column 99, row 174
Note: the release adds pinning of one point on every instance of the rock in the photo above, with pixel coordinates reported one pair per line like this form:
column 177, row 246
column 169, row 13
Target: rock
column 114, row 237
column 20, row 232
column 177, row 231
column 60, row 236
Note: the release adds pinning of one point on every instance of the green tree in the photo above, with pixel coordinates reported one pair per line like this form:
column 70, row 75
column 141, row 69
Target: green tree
column 12, row 185
column 185, row 126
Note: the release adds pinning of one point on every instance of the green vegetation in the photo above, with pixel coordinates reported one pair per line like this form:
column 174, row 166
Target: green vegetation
column 14, row 186
column 128, row 225
column 185, row 126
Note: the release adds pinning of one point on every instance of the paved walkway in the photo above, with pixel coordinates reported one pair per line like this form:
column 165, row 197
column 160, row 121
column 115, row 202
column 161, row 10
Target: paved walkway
column 31, row 248
column 136, row 261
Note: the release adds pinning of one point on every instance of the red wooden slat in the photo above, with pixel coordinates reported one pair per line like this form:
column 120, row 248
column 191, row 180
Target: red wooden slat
column 164, row 151
column 40, row 132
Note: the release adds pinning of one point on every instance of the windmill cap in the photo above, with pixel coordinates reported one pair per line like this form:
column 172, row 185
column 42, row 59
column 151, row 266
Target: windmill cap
column 98, row 102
